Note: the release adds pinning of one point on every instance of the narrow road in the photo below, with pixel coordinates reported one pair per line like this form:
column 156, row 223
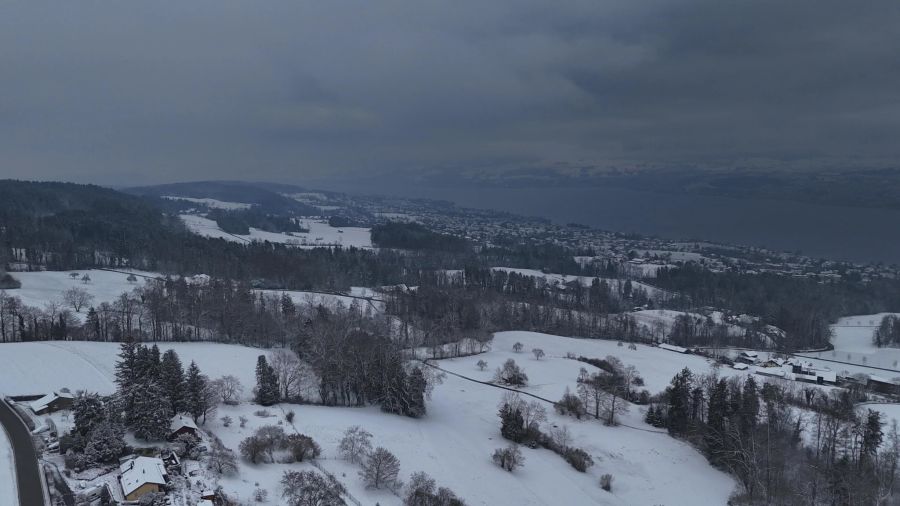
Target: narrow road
column 28, row 477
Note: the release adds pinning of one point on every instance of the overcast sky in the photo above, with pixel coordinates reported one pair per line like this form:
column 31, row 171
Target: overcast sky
column 156, row 91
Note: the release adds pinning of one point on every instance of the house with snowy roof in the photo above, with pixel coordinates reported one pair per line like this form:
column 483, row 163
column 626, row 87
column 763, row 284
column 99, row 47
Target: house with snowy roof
column 142, row 475
column 183, row 424
column 52, row 402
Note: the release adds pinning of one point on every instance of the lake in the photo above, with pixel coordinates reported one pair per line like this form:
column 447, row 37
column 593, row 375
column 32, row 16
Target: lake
column 834, row 232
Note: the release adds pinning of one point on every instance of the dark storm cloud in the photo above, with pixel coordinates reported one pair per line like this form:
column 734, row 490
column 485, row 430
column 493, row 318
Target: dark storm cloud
column 155, row 91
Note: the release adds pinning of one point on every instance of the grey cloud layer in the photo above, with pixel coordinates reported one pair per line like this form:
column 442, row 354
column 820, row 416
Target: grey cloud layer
column 153, row 91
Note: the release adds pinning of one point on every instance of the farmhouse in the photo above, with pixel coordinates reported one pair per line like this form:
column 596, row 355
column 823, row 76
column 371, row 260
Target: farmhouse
column 804, row 371
column 740, row 366
column 142, row 475
column 748, row 357
column 182, row 424
column 52, row 402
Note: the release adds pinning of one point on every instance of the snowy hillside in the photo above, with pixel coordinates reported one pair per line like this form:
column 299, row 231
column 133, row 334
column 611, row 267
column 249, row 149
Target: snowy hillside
column 853, row 344
column 41, row 367
column 40, row 288
column 454, row 441
column 320, row 234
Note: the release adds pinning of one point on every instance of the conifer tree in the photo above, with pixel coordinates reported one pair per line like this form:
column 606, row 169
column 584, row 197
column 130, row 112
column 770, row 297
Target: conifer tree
column 267, row 391
column 151, row 416
column 417, row 387
column 172, row 380
column 195, row 392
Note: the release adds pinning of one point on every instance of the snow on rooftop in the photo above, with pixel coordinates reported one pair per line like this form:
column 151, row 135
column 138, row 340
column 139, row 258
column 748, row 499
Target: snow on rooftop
column 45, row 401
column 182, row 421
column 672, row 347
column 140, row 471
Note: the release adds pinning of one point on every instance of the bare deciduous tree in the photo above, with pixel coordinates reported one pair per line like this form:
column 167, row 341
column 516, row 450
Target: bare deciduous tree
column 229, row 389
column 538, row 353
column 381, row 470
column 356, row 444
column 77, row 298
column 288, row 370
column 309, row 488
column 508, row 458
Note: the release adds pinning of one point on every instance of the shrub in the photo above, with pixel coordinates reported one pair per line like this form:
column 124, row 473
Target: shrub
column 302, row 447
column 578, row 458
column 570, row 405
column 606, row 482
column 511, row 374
column 508, row 458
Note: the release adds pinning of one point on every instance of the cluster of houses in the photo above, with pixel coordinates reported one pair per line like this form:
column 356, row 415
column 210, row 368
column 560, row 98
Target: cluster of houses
column 793, row 368
column 138, row 475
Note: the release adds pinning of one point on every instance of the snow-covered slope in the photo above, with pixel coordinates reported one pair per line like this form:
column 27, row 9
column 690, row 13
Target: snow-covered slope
column 454, row 441
column 41, row 367
column 39, row 288
column 853, row 344
column 320, row 234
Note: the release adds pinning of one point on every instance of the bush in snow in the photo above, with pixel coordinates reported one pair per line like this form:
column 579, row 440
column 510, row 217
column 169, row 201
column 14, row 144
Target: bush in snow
column 184, row 444
column 226, row 421
column 423, row 491
column 302, row 447
column 508, row 458
column 289, row 417
column 570, row 405
column 243, row 420
column 511, row 374
column 381, row 470
column 253, row 448
column 356, row 444
column 221, row 460
column 578, row 458
column 153, row 499
column 482, row 365
column 518, row 347
column 260, row 495
column 606, row 482
column 309, row 488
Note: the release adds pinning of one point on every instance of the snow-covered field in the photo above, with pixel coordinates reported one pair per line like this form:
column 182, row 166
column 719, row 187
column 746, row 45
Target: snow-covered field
column 454, row 441
column 853, row 343
column 7, row 472
column 213, row 203
column 320, row 234
column 655, row 365
column 43, row 367
column 39, row 288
